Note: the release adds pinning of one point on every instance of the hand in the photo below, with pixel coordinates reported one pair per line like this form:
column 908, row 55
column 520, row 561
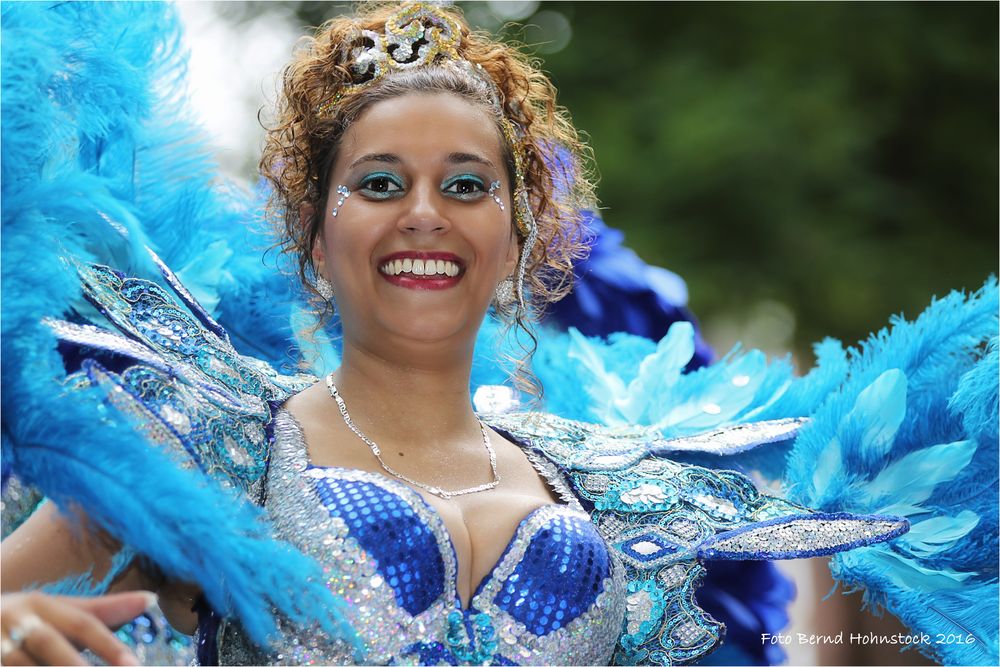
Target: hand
column 39, row 629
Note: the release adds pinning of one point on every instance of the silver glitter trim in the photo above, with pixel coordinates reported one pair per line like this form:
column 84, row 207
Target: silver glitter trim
column 735, row 439
column 91, row 336
column 801, row 537
column 551, row 474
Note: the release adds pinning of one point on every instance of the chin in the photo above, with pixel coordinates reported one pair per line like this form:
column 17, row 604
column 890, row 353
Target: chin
column 431, row 334
column 424, row 327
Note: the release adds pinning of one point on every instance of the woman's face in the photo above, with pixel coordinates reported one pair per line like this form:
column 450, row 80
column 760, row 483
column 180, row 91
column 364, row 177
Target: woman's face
column 416, row 250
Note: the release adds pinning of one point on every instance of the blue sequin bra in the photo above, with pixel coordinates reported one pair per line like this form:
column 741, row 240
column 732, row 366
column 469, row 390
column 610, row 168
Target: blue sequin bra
column 556, row 596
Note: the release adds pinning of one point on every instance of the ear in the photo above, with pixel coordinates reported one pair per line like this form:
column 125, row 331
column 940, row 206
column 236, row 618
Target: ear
column 306, row 214
column 513, row 253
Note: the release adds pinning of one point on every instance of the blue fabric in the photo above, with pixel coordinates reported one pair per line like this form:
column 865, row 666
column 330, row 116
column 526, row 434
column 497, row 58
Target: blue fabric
column 614, row 290
column 752, row 598
column 386, row 526
column 566, row 549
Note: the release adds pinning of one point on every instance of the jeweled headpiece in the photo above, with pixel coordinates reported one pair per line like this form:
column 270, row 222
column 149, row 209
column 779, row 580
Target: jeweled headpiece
column 414, row 36
column 419, row 35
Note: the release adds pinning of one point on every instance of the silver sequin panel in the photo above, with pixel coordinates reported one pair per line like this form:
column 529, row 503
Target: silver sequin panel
column 801, row 537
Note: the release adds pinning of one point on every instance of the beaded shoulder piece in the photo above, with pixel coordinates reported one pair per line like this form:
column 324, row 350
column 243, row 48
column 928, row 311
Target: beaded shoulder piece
column 168, row 364
column 666, row 520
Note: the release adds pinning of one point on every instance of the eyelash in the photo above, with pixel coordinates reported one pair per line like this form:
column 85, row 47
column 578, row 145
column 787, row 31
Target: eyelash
column 391, row 179
column 479, row 187
column 365, row 186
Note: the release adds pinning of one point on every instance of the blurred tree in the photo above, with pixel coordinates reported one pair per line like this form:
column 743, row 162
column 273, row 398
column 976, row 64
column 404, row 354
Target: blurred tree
column 839, row 158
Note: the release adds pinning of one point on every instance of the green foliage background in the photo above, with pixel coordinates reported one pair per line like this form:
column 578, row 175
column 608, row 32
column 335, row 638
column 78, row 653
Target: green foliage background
column 837, row 158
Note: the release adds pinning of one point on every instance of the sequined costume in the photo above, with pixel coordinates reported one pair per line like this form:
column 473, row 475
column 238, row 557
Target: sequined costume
column 559, row 594
column 610, row 576
column 564, row 591
column 388, row 553
column 113, row 369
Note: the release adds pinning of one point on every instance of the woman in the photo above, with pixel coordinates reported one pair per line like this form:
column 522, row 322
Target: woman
column 413, row 166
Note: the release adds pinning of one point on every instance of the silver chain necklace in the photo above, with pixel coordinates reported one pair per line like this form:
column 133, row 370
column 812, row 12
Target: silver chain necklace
column 441, row 493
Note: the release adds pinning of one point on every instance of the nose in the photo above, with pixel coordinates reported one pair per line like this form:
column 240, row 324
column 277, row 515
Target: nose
column 424, row 214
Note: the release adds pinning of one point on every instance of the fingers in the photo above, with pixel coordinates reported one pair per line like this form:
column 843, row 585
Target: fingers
column 43, row 629
column 115, row 610
column 17, row 627
column 12, row 651
column 44, row 646
column 84, row 629
column 18, row 657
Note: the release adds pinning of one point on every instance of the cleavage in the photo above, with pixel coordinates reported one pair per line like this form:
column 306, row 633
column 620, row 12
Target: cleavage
column 480, row 530
column 403, row 531
column 552, row 570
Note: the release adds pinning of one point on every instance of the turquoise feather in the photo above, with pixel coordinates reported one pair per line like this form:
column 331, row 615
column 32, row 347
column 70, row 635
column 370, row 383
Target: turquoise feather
column 929, row 537
column 879, row 410
column 914, row 477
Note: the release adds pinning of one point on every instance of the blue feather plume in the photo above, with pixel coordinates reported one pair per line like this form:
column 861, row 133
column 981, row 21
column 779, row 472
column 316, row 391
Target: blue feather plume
column 79, row 122
column 912, row 432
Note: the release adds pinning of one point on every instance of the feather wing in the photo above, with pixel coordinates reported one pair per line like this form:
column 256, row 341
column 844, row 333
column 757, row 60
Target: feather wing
column 913, row 432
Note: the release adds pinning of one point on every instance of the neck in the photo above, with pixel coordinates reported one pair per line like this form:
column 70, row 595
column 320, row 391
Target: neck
column 411, row 406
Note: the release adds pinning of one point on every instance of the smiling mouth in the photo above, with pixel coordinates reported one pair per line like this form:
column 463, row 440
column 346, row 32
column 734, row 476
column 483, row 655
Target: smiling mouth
column 420, row 268
column 422, row 273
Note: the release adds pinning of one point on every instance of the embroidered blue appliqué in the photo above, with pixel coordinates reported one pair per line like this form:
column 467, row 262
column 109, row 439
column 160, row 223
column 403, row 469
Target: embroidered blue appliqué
column 648, row 547
column 662, row 516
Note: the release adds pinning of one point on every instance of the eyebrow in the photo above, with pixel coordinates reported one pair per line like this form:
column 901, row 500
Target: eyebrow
column 376, row 157
column 390, row 158
column 456, row 158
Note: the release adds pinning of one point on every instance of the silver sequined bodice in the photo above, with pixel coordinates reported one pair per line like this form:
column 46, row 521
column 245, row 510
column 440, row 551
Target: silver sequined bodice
column 555, row 597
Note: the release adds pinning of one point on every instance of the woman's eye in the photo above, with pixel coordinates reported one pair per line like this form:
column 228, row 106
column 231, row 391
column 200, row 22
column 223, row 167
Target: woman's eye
column 380, row 186
column 464, row 186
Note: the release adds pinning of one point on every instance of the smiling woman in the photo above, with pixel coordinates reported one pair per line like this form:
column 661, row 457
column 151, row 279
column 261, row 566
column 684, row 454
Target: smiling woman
column 426, row 183
column 421, row 196
column 331, row 84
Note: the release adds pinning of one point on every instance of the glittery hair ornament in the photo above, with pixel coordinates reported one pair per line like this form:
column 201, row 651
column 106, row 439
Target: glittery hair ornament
column 420, row 35
column 413, row 37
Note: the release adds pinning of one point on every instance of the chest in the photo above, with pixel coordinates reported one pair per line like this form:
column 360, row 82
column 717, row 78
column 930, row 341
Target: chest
column 553, row 596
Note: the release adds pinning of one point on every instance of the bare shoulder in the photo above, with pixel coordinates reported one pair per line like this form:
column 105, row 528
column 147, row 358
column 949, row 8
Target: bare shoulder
column 328, row 441
column 308, row 405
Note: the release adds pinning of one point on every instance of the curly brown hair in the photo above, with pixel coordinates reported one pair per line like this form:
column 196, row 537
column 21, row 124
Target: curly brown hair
column 302, row 144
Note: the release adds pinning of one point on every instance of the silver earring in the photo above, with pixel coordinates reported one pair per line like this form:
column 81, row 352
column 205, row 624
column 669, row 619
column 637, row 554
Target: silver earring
column 523, row 208
column 324, row 287
column 344, row 194
column 503, row 295
column 492, row 192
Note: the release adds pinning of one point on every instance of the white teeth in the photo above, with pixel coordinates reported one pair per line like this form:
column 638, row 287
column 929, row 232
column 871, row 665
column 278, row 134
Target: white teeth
column 420, row 267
